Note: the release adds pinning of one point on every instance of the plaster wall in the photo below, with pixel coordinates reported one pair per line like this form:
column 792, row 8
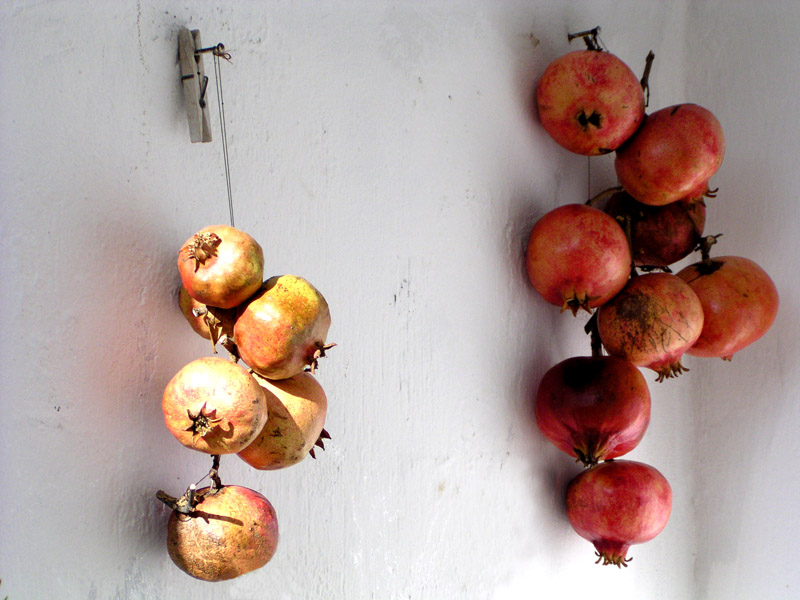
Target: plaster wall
column 387, row 152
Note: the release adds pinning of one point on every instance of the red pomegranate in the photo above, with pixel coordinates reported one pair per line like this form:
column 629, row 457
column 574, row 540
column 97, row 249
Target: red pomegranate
column 660, row 235
column 230, row 532
column 672, row 155
column 593, row 408
column 589, row 101
column 214, row 405
column 617, row 504
column 577, row 257
column 652, row 322
column 297, row 409
column 281, row 330
column 739, row 300
column 221, row 266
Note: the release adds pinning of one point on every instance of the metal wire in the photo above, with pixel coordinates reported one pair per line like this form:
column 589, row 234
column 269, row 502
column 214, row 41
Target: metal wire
column 219, row 52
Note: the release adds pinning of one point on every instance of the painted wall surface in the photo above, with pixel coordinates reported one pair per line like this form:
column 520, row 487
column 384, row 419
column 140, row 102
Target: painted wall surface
column 388, row 152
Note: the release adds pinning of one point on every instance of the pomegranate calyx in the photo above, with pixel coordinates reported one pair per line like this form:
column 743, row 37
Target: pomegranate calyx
column 595, row 120
column 324, row 435
column 670, row 370
column 203, row 247
column 590, row 453
column 610, row 559
column 313, row 363
column 202, row 423
column 586, row 459
column 575, row 302
column 611, row 552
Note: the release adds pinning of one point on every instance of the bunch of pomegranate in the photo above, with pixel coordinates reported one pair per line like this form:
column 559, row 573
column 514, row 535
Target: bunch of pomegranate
column 271, row 414
column 611, row 257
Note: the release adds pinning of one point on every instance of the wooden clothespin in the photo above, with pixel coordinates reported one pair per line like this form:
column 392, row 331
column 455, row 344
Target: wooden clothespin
column 195, row 83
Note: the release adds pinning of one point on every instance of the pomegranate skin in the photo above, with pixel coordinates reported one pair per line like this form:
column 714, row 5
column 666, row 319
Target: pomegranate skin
column 652, row 322
column 281, row 330
column 297, row 410
column 740, row 303
column 593, row 408
column 660, row 235
column 221, row 266
column 577, row 257
column 617, row 504
column 589, row 102
column 672, row 155
column 214, row 406
column 230, row 533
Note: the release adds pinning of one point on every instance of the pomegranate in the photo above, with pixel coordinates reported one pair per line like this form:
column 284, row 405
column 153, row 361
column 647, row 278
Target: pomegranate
column 652, row 322
column 208, row 322
column 660, row 235
column 577, row 257
column 221, row 266
column 617, row 504
column 230, row 532
column 214, row 405
column 672, row 155
column 593, row 408
column 589, row 101
column 297, row 409
column 740, row 303
column 281, row 330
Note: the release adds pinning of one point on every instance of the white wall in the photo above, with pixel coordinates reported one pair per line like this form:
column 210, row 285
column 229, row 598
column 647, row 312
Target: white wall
column 387, row 152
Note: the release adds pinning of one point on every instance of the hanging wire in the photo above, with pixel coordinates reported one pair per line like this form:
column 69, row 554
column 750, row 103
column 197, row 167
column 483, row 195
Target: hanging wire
column 219, row 52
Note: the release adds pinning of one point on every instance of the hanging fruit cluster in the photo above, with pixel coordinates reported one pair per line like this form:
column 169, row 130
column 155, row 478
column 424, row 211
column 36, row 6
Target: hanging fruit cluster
column 271, row 414
column 611, row 257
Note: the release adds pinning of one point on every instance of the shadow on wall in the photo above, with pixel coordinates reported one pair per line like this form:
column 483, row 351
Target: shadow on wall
column 130, row 315
column 539, row 350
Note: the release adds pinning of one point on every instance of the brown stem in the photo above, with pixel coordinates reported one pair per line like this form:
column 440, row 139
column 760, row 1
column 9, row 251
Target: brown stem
column 190, row 499
column 184, row 505
column 589, row 37
column 594, row 336
column 645, row 80
column 233, row 351
column 705, row 246
column 213, row 474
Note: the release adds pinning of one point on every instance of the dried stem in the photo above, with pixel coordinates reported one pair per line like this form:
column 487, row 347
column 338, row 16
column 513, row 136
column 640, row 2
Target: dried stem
column 185, row 504
column 594, row 336
column 213, row 474
column 190, row 499
column 589, row 37
column 645, row 80
column 705, row 246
